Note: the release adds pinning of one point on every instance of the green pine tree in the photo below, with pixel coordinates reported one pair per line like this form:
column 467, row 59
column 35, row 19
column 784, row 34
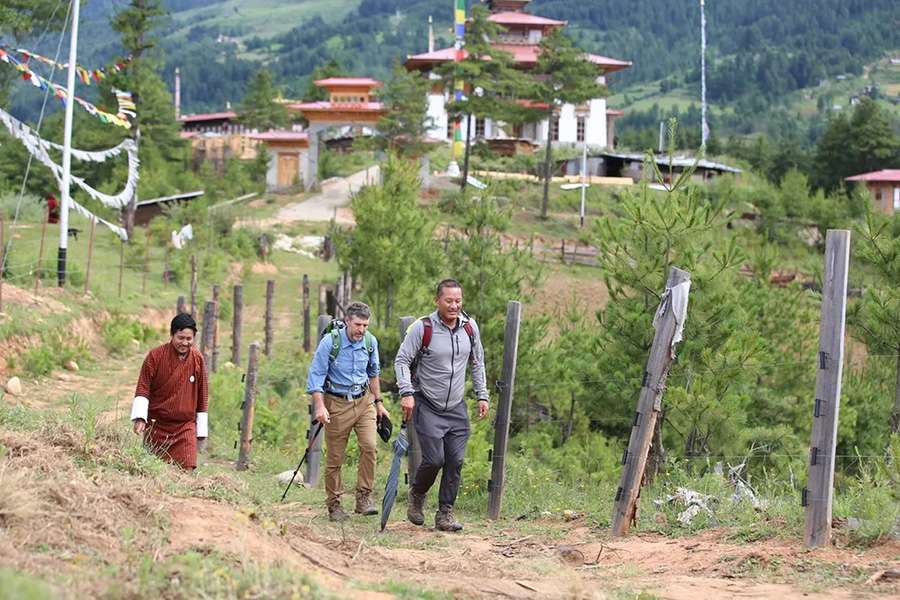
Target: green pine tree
column 397, row 262
column 877, row 317
column 260, row 109
column 402, row 128
column 154, row 126
column 866, row 141
column 563, row 76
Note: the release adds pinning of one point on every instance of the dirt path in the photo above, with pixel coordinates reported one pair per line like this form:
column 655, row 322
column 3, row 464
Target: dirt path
column 335, row 195
column 585, row 564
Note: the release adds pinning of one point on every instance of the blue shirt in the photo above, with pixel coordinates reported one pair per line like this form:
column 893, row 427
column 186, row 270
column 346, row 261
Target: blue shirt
column 354, row 365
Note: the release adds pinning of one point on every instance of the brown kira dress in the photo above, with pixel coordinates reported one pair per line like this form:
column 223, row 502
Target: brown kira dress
column 177, row 390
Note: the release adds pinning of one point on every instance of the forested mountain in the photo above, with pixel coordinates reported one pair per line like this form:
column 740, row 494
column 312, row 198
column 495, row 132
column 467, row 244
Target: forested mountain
column 759, row 51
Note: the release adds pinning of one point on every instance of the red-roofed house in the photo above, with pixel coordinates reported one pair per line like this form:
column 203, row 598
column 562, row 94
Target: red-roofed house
column 590, row 123
column 288, row 152
column 351, row 108
column 216, row 137
column 884, row 186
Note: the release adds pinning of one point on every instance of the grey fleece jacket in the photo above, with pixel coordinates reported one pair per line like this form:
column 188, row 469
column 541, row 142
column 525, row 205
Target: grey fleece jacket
column 441, row 371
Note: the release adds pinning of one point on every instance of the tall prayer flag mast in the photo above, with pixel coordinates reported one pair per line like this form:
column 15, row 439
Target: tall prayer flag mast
column 704, row 127
column 67, row 151
column 460, row 30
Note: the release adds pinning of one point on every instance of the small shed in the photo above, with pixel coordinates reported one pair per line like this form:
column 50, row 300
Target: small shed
column 621, row 164
column 150, row 209
column 288, row 154
column 884, row 186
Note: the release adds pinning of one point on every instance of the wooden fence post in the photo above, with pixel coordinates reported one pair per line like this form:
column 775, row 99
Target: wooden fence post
column 348, row 289
column 270, row 298
column 166, row 268
column 237, row 309
column 248, row 407
column 338, row 298
column 817, row 496
column 121, row 265
column 649, row 404
column 194, row 285
column 40, row 261
column 2, row 258
column 414, row 454
column 146, row 263
column 323, row 299
column 389, row 304
column 180, row 306
column 306, row 323
column 214, row 364
column 562, row 248
column 90, row 256
column 314, row 460
column 206, row 336
column 504, row 408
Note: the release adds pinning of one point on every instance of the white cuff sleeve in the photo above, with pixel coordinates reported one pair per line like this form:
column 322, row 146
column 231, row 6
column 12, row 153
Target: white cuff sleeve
column 139, row 408
column 202, row 424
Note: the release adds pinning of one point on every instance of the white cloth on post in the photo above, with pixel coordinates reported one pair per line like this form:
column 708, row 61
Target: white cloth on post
column 677, row 298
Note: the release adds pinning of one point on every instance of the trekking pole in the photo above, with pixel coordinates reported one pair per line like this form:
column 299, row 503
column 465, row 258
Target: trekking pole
column 305, row 454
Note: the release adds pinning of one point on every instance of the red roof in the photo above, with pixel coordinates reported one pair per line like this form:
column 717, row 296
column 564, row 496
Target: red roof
column 883, row 175
column 521, row 18
column 353, row 106
column 533, row 104
column 522, row 54
column 609, row 64
column 281, row 136
column 216, row 116
column 348, row 82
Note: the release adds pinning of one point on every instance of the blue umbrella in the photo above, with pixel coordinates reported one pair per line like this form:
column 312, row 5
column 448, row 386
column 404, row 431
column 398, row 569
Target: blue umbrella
column 401, row 445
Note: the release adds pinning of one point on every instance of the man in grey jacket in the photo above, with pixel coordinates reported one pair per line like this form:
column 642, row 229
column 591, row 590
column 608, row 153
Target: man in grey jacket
column 431, row 374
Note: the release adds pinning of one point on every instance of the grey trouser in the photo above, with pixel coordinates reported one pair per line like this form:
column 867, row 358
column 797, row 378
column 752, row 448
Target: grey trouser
column 442, row 437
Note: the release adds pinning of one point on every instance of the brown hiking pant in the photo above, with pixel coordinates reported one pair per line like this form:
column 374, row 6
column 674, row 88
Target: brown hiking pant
column 346, row 416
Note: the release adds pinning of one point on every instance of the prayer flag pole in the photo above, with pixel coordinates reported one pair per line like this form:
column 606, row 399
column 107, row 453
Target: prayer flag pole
column 67, row 151
column 459, row 15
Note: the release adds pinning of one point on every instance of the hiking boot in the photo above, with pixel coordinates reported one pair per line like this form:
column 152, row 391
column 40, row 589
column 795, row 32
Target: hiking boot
column 415, row 508
column 336, row 513
column 445, row 521
column 365, row 505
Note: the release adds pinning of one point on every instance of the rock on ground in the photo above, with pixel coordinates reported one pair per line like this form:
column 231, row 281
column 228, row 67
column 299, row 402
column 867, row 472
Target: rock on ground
column 13, row 387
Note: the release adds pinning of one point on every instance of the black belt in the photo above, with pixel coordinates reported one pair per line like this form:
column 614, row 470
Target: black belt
column 354, row 396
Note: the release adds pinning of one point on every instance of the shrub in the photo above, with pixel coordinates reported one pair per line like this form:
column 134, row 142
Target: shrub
column 119, row 331
column 52, row 353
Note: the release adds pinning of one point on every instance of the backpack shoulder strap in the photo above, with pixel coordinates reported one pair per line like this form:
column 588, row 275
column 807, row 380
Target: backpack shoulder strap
column 369, row 341
column 470, row 331
column 335, row 343
column 427, row 330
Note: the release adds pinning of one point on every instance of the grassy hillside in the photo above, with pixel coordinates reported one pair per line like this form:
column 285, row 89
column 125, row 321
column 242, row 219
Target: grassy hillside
column 800, row 113
column 241, row 19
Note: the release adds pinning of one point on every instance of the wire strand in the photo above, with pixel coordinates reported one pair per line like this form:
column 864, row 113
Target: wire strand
column 37, row 130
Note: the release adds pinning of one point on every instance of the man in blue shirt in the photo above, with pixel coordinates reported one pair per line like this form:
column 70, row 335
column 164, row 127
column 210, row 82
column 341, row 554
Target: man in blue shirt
column 347, row 396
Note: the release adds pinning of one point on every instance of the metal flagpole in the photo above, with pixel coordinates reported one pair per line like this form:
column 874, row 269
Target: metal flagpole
column 459, row 16
column 67, row 151
column 704, row 133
